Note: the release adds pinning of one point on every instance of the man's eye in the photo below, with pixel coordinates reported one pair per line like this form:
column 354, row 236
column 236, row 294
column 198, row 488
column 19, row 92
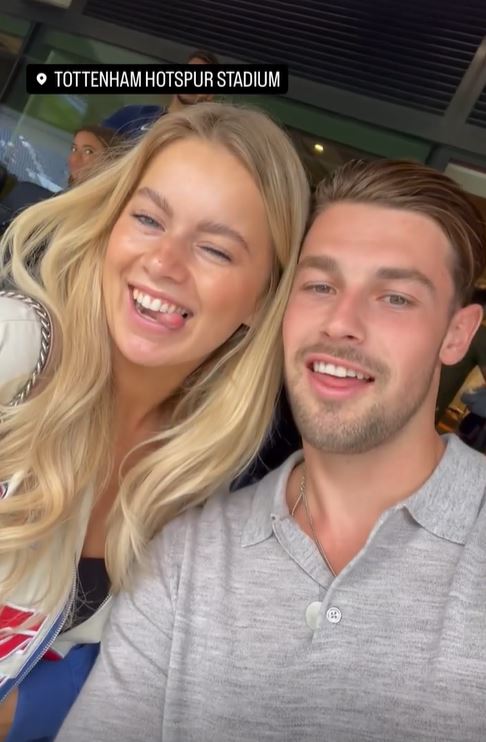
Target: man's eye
column 397, row 300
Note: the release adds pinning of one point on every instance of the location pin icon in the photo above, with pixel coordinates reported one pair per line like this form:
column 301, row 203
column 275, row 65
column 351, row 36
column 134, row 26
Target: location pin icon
column 41, row 77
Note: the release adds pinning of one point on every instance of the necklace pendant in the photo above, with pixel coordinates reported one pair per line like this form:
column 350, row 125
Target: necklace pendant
column 320, row 548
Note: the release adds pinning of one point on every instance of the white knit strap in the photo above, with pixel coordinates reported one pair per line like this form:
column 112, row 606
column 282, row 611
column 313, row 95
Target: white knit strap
column 46, row 336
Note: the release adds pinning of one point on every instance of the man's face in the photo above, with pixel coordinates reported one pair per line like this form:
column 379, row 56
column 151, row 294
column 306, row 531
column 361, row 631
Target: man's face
column 190, row 98
column 369, row 322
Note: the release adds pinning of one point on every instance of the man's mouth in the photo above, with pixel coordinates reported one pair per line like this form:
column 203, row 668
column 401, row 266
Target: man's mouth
column 339, row 371
column 339, row 380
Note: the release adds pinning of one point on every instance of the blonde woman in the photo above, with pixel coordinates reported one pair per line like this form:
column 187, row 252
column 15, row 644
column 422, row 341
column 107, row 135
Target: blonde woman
column 161, row 283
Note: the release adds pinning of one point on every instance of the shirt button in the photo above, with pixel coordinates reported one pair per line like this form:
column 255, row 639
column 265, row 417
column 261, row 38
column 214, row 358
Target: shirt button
column 313, row 615
column 333, row 615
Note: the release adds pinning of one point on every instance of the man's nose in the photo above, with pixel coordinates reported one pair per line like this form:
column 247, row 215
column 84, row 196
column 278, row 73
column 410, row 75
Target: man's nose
column 344, row 319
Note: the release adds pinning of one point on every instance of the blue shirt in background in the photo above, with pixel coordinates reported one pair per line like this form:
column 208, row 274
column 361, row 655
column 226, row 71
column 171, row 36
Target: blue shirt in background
column 133, row 120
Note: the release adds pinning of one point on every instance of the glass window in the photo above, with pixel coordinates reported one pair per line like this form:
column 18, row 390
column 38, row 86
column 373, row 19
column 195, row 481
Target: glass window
column 322, row 156
column 12, row 33
column 36, row 131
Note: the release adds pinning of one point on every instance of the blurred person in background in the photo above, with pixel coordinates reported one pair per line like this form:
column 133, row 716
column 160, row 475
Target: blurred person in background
column 89, row 142
column 134, row 120
column 89, row 145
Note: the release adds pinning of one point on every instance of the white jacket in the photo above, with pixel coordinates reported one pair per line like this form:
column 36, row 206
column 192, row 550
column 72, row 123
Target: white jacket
column 20, row 343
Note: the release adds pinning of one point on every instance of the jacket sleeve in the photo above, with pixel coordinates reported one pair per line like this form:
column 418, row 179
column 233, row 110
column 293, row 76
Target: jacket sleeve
column 48, row 692
column 20, row 343
column 124, row 697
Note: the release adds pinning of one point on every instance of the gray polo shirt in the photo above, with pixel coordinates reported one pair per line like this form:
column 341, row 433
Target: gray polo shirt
column 239, row 632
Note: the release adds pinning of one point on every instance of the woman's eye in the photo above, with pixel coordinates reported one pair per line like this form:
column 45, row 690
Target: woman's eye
column 147, row 221
column 219, row 254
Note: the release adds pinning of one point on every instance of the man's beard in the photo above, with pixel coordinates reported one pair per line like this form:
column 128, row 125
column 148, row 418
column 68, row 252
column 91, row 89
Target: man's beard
column 330, row 425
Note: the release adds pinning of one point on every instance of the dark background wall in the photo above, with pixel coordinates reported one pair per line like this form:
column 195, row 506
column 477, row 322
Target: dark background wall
column 414, row 69
column 411, row 53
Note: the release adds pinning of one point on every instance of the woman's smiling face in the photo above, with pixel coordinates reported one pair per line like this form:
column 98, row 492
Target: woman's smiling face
column 189, row 258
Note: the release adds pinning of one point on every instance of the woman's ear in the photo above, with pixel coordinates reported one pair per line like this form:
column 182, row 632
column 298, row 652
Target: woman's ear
column 462, row 328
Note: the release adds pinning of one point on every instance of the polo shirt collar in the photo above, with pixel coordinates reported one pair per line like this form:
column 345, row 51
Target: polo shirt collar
column 269, row 502
column 449, row 501
column 447, row 504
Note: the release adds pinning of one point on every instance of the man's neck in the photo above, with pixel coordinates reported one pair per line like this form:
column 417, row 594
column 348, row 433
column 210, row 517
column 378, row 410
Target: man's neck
column 348, row 493
column 175, row 105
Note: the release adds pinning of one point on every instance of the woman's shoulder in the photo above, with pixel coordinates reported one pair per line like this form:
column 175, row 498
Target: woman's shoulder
column 20, row 344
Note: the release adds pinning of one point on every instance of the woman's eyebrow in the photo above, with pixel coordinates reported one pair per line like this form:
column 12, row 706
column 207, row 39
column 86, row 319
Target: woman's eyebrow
column 157, row 198
column 224, row 230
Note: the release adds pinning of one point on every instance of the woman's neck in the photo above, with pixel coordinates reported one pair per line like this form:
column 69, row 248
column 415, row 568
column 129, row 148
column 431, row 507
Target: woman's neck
column 143, row 395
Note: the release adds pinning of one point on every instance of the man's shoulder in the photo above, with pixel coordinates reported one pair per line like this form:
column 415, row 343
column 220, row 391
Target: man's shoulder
column 132, row 118
column 462, row 468
column 463, row 481
column 232, row 507
column 465, row 458
column 225, row 513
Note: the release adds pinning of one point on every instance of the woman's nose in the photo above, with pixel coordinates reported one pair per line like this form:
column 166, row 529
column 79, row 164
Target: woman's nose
column 168, row 260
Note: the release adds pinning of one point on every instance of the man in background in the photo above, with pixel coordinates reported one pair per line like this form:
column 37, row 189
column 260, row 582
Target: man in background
column 134, row 120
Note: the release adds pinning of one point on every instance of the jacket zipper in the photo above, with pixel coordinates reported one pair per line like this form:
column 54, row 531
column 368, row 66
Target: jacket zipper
column 40, row 652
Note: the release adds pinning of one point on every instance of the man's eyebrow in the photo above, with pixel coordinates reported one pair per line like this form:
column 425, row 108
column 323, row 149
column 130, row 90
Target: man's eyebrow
column 159, row 200
column 389, row 273
column 406, row 274
column 224, row 230
column 321, row 262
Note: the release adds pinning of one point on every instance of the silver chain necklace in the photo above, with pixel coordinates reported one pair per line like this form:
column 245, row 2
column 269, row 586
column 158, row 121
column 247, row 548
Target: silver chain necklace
column 303, row 498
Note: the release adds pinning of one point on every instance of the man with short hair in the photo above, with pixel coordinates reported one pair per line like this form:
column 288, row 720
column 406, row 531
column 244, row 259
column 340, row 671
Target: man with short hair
column 134, row 120
column 343, row 597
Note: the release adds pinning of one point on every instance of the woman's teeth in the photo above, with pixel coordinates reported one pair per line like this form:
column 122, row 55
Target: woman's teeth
column 157, row 305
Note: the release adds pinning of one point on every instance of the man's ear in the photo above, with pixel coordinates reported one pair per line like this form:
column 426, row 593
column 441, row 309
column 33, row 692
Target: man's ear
column 462, row 328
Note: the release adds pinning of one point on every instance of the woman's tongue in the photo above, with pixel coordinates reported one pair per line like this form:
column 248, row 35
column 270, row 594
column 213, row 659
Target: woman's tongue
column 173, row 320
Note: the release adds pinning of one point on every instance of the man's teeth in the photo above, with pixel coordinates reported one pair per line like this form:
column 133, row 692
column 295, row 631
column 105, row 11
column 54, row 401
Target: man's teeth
column 156, row 305
column 339, row 371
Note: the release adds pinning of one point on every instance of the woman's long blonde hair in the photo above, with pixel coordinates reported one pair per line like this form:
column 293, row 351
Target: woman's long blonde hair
column 61, row 437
